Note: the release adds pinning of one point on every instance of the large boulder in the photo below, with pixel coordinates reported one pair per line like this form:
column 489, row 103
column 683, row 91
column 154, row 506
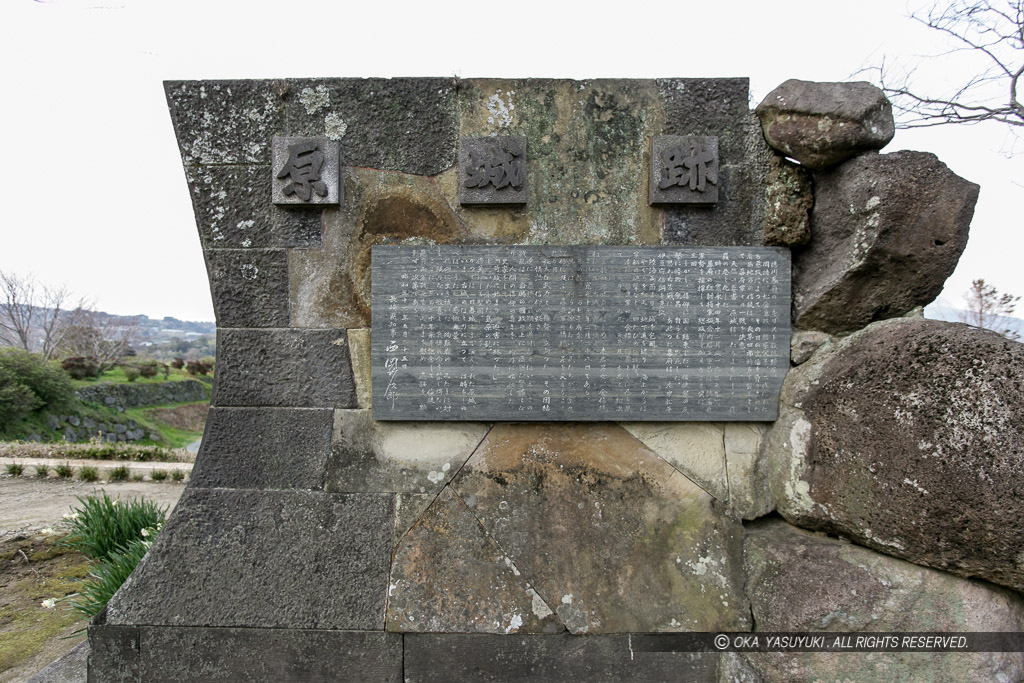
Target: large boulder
column 800, row 581
column 908, row 437
column 821, row 124
column 888, row 229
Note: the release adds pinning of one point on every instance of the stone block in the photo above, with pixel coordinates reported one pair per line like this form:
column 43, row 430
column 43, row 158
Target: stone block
column 587, row 146
column 70, row 668
column 801, row 581
column 789, row 198
column 397, row 457
column 904, row 437
column 708, row 106
column 113, row 654
column 264, row 448
column 330, row 287
column 493, row 170
column 696, row 449
column 449, row 576
column 607, row 533
column 888, row 229
column 749, row 496
column 226, row 122
column 306, row 172
column 431, row 657
column 727, row 223
column 683, row 170
column 277, row 559
column 249, row 287
column 821, row 124
column 359, row 347
column 408, row 508
column 233, row 210
column 399, row 124
column 226, row 654
column 283, row 368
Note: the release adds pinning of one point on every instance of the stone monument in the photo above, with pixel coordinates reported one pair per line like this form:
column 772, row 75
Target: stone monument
column 506, row 390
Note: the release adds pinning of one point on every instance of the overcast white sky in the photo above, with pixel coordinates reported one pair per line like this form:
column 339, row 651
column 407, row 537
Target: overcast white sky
column 95, row 196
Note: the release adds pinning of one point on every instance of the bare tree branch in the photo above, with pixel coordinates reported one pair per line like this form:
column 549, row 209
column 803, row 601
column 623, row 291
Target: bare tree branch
column 991, row 29
column 987, row 308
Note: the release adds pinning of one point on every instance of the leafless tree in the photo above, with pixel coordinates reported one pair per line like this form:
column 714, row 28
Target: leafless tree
column 988, row 309
column 34, row 316
column 98, row 335
column 988, row 37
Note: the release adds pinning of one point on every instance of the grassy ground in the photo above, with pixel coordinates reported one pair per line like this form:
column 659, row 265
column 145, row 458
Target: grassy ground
column 34, row 569
column 180, row 423
column 117, row 376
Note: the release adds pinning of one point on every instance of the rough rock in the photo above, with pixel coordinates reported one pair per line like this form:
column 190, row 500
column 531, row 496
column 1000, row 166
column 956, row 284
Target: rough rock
column 888, row 230
column 800, row 581
column 607, row 533
column 749, row 497
column 397, row 457
column 821, row 124
column 907, row 437
column 449, row 576
column 803, row 345
column 249, row 287
column 789, row 198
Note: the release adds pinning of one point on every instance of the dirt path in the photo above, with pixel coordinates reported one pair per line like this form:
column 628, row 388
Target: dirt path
column 31, row 512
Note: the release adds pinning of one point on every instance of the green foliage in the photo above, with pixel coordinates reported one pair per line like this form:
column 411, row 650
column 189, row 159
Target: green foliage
column 102, row 525
column 148, row 369
column 106, row 576
column 15, row 469
column 120, row 473
column 131, row 373
column 158, row 475
column 178, row 475
column 42, row 471
column 64, row 470
column 29, row 383
column 88, row 473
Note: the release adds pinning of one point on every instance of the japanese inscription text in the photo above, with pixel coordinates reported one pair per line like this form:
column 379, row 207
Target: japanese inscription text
column 579, row 333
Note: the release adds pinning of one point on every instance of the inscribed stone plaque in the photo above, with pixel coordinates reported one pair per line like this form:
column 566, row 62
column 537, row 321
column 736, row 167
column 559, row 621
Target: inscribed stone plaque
column 579, row 333
column 684, row 169
column 306, row 171
column 492, row 170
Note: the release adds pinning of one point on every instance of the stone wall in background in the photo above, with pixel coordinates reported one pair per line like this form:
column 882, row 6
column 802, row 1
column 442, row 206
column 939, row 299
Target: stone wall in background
column 314, row 539
column 123, row 396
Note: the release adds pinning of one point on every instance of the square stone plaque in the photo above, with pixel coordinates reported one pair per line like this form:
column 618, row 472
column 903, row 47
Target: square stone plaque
column 684, row 169
column 306, row 172
column 492, row 170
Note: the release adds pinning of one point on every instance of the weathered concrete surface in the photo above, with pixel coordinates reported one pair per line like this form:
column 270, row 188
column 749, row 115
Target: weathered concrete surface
column 449, row 576
column 113, row 653
column 587, row 156
column 398, row 124
column 888, row 229
column 789, row 198
column 71, row 668
column 249, row 287
column 264, row 448
column 749, row 495
column 233, row 211
column 606, row 532
column 235, row 558
column 283, row 368
column 360, row 351
column 800, row 581
column 906, row 437
column 441, row 658
column 820, row 124
column 697, row 449
column 330, row 287
column 172, row 655
column 397, row 457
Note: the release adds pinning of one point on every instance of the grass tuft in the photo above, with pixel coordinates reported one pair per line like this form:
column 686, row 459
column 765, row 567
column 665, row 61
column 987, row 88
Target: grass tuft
column 15, row 469
column 120, row 473
column 102, row 526
column 88, row 473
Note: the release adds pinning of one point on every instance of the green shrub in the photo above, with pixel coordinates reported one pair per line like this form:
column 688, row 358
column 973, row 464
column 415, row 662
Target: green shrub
column 158, row 475
column 138, row 476
column 88, row 473
column 131, row 373
column 178, row 363
column 64, row 470
column 15, row 469
column 28, row 382
column 42, row 471
column 178, row 475
column 81, row 367
column 120, row 473
column 102, row 525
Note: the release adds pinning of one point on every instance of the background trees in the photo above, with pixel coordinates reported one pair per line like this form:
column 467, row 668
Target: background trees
column 988, row 309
